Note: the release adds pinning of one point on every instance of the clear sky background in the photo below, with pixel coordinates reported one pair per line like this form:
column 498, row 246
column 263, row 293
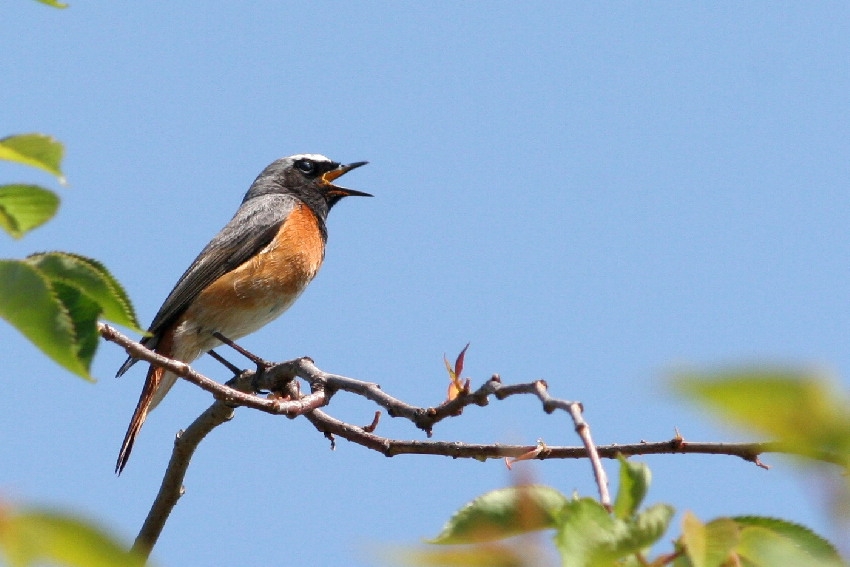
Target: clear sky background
column 589, row 193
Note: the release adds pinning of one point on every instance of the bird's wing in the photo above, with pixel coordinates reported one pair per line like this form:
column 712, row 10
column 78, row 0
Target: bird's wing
column 250, row 230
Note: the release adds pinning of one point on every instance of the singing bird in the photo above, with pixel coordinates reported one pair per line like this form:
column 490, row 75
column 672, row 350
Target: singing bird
column 249, row 274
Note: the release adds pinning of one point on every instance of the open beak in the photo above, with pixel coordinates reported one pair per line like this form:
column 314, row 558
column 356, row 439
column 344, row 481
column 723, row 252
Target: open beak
column 341, row 170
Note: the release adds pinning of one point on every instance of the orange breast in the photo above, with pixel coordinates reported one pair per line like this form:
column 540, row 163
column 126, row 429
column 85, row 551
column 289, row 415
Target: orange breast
column 258, row 291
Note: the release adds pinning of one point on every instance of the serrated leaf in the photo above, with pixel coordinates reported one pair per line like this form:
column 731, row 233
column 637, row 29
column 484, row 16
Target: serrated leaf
column 649, row 525
column 503, row 513
column 29, row 303
column 804, row 539
column 763, row 547
column 91, row 278
column 84, row 313
column 800, row 409
column 35, row 150
column 25, row 207
column 635, row 478
column 35, row 538
column 588, row 536
column 708, row 545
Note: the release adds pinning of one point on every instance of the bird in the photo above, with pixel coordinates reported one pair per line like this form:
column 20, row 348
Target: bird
column 249, row 274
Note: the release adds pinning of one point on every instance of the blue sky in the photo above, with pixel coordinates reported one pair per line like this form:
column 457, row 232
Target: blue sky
column 589, row 193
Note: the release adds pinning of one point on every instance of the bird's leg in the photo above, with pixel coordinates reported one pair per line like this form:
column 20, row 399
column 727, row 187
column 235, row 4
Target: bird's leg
column 262, row 364
column 247, row 354
column 226, row 363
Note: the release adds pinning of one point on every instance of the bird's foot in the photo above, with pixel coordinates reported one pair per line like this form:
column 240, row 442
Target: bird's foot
column 262, row 364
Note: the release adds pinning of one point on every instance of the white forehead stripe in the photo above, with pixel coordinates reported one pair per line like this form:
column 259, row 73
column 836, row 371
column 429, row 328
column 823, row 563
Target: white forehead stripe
column 314, row 157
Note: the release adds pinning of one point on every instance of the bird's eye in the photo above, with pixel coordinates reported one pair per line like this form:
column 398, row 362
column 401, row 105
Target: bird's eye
column 305, row 166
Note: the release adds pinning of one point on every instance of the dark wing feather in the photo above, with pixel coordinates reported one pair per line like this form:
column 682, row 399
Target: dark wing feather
column 250, row 230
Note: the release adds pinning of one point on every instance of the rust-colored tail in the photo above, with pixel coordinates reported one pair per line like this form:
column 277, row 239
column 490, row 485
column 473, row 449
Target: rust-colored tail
column 152, row 382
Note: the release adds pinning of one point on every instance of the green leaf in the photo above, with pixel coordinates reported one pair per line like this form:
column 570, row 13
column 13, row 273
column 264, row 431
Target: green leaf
column 55, row 299
column 29, row 303
column 708, row 545
column 800, row 409
column 634, row 483
column 588, row 536
column 91, row 278
column 647, row 528
column 762, row 547
column 815, row 549
column 83, row 312
column 753, row 541
column 25, row 207
column 503, row 513
column 41, row 537
column 53, row 3
column 36, row 150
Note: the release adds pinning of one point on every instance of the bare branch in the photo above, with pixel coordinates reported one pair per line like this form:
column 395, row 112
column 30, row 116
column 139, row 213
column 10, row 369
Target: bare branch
column 286, row 399
column 171, row 488
column 278, row 376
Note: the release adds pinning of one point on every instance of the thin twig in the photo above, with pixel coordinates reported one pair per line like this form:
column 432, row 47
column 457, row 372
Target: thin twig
column 583, row 431
column 280, row 379
column 304, row 368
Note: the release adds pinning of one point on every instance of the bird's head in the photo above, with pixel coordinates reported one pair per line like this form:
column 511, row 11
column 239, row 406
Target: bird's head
column 309, row 177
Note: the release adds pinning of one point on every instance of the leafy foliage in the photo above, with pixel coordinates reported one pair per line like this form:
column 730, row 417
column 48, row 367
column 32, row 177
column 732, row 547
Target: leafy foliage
column 37, row 537
column 55, row 299
column 800, row 409
column 634, row 484
column 25, row 207
column 752, row 541
column 36, row 150
column 503, row 513
column 589, row 535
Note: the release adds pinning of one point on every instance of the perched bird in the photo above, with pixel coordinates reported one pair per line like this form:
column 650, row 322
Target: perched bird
column 248, row 275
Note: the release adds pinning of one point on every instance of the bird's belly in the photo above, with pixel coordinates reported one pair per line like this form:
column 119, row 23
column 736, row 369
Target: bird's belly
column 257, row 292
column 243, row 318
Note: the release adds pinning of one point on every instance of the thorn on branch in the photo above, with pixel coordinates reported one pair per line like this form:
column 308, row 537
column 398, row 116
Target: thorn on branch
column 677, row 443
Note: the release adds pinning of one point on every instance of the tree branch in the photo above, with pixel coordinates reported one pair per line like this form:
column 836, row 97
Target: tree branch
column 286, row 399
column 171, row 488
